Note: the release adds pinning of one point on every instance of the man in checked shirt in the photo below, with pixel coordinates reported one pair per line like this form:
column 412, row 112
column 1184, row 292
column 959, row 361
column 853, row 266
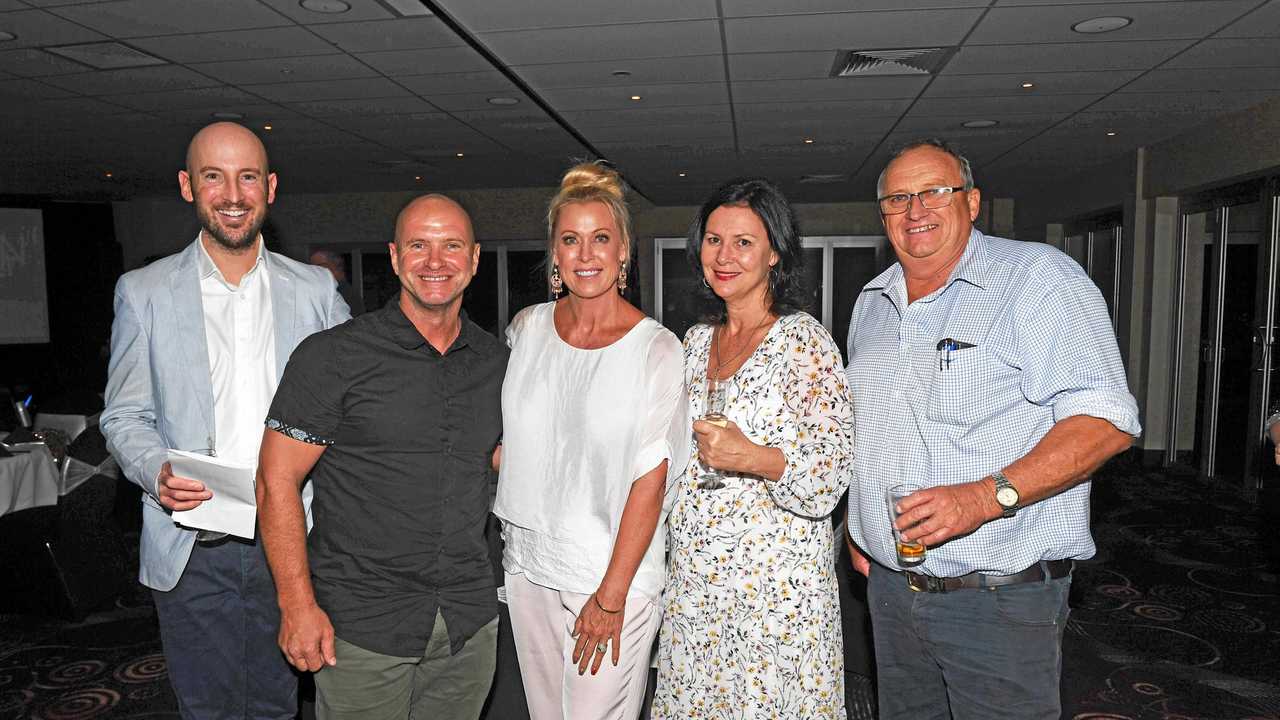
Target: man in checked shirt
column 986, row 371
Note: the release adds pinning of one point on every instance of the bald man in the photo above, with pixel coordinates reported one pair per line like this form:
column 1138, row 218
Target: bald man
column 199, row 342
column 394, row 416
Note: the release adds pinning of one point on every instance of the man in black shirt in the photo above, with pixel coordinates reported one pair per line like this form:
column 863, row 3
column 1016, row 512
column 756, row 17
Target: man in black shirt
column 394, row 416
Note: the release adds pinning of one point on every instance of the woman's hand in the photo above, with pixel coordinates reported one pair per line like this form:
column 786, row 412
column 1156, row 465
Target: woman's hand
column 597, row 632
column 725, row 447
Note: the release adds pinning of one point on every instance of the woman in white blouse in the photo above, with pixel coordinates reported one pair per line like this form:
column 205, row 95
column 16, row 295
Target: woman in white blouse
column 752, row 612
column 595, row 424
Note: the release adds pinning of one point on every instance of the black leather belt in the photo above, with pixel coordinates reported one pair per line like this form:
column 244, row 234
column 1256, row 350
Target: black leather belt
column 1050, row 569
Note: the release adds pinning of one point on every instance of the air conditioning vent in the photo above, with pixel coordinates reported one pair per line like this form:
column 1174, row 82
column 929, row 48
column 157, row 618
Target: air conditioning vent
column 903, row 61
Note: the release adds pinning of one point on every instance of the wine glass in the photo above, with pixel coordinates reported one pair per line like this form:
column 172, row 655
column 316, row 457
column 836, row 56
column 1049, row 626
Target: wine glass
column 717, row 399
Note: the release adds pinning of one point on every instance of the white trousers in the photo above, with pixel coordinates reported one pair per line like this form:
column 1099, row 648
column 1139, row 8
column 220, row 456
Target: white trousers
column 542, row 622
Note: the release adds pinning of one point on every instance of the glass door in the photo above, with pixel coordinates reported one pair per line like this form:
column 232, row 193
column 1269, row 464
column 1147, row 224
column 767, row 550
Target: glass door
column 1224, row 370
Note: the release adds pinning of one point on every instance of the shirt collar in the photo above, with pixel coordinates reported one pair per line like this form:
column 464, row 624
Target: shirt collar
column 407, row 336
column 208, row 268
column 972, row 268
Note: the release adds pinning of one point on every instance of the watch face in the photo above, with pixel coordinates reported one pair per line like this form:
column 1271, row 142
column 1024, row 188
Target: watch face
column 1007, row 497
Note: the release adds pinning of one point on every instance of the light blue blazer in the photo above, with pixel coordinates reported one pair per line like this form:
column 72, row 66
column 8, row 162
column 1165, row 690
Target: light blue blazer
column 159, row 393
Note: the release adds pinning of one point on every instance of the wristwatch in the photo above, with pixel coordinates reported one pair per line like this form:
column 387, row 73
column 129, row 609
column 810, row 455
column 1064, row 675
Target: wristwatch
column 1006, row 495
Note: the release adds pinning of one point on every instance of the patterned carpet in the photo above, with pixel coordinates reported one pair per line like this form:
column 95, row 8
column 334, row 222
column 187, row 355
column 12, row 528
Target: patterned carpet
column 1177, row 618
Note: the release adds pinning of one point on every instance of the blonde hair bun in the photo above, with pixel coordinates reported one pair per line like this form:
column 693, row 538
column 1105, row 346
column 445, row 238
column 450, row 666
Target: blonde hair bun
column 589, row 178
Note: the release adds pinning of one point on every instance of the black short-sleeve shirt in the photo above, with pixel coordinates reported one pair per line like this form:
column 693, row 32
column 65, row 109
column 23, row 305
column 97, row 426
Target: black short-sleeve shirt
column 404, row 487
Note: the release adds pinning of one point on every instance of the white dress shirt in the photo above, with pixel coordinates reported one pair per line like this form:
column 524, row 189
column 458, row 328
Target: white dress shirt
column 239, row 329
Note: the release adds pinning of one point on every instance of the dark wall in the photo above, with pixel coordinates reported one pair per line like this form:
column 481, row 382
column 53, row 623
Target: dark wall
column 82, row 263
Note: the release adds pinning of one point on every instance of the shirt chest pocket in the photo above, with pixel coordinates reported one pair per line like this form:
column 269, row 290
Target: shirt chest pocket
column 966, row 389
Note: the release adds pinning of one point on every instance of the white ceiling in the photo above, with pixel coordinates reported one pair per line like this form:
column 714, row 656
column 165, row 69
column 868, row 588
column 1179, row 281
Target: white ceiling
column 370, row 100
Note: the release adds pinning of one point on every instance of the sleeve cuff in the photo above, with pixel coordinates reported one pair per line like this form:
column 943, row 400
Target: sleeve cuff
column 1116, row 408
column 649, row 457
column 297, row 433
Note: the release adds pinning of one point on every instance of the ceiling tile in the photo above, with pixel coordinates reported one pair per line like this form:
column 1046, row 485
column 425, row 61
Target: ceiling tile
column 36, row 28
column 1062, row 57
column 997, row 107
column 643, row 116
column 663, row 134
column 328, row 90
column 1151, row 21
column 1071, row 83
column 888, row 107
column 829, row 89
column 598, row 98
column 16, row 90
column 745, row 8
column 1180, row 102
column 693, row 68
column 1202, row 79
column 297, row 69
column 255, row 113
column 385, row 35
column 132, row 80
column 490, row 82
column 826, row 128
column 1229, row 53
column 37, row 63
column 360, row 10
column 462, row 101
column 849, row 31
column 138, row 18
column 236, row 45
column 66, row 110
column 9, row 5
column 1263, row 22
column 420, row 62
column 532, row 14
column 505, row 114
column 781, row 66
column 931, row 123
column 369, row 107
column 212, row 98
column 605, row 42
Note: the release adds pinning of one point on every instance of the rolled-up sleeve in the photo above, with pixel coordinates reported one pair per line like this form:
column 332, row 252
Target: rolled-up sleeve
column 817, row 472
column 664, row 432
column 1070, row 360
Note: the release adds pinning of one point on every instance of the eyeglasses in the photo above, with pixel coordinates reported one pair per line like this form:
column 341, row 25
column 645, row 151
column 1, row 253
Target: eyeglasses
column 931, row 199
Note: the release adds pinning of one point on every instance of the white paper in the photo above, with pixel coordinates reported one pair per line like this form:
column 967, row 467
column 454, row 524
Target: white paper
column 233, row 509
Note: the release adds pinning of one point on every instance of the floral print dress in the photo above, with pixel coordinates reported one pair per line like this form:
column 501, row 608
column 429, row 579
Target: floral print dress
column 751, row 623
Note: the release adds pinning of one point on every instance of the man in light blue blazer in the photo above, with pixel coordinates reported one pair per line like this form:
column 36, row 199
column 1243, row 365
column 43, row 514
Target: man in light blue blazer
column 199, row 342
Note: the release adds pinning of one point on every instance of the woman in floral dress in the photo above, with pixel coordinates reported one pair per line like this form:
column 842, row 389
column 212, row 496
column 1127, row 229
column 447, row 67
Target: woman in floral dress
column 751, row 624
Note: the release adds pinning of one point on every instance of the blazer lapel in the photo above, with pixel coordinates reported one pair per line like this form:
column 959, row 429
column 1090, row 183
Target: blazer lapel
column 188, row 310
column 284, row 309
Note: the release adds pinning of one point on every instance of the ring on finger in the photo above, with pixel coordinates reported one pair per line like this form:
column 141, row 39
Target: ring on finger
column 602, row 646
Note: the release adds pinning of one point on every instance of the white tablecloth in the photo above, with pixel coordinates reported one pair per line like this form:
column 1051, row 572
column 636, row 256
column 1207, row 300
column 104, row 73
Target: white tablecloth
column 28, row 479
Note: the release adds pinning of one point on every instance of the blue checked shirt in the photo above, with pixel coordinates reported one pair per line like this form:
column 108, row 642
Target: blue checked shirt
column 1042, row 350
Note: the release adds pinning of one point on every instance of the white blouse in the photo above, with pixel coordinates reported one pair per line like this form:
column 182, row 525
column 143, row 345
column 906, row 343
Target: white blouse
column 579, row 427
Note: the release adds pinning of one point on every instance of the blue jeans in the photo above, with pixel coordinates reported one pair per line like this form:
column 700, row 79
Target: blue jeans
column 218, row 628
column 968, row 654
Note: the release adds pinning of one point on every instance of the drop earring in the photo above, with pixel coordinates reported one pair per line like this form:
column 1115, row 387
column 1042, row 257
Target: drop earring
column 622, row 278
column 556, row 283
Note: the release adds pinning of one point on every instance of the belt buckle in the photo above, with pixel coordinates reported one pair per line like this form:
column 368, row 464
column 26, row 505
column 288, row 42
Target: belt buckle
column 919, row 582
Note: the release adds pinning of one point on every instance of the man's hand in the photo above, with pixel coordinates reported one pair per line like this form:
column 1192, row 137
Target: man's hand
column 859, row 561
column 937, row 514
column 178, row 493
column 306, row 638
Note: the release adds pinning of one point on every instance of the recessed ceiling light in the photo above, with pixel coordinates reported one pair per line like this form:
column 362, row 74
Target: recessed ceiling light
column 266, row 127
column 328, row 7
column 417, row 178
column 108, row 173
column 683, row 174
column 1111, row 133
column 7, row 36
column 808, row 141
column 460, row 155
column 621, row 73
column 1103, row 24
column 635, row 97
column 981, row 123
column 503, row 101
column 1028, row 85
column 221, row 115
